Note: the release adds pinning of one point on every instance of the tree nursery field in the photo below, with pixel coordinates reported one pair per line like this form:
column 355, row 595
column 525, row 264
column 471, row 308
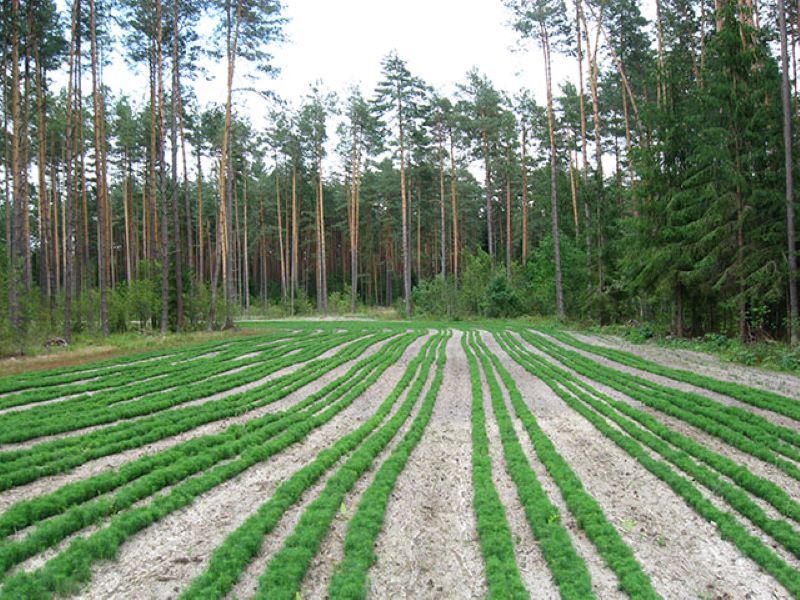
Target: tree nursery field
column 346, row 459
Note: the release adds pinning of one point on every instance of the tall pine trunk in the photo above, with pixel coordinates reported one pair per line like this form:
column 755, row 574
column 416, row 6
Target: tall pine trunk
column 69, row 203
column 102, row 196
column 454, row 208
column 16, row 266
column 162, row 180
column 524, row 168
column 794, row 325
column 174, row 148
column 405, row 216
column 553, row 193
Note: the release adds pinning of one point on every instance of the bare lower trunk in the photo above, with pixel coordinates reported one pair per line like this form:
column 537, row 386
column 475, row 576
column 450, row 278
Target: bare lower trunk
column 524, row 168
column 295, row 238
column 553, row 199
column 794, row 325
column 162, row 179
column 102, row 196
column 454, row 209
column 69, row 217
column 406, row 229
column 280, row 230
column 442, row 210
column 174, row 148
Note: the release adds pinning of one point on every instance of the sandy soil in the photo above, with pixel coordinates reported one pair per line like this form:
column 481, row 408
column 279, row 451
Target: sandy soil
column 159, row 561
column 429, row 545
column 773, row 417
column 604, row 580
column 702, row 363
column 757, row 466
column 51, row 483
column 238, row 389
column 331, row 551
column 682, row 553
column 532, row 566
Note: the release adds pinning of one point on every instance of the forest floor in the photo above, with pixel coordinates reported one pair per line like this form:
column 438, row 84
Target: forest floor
column 394, row 460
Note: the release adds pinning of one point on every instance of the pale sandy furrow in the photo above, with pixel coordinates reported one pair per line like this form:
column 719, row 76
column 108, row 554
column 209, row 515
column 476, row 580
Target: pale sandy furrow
column 331, row 550
column 757, row 466
column 94, row 467
column 702, row 363
column 532, row 566
column 429, row 544
column 682, row 552
column 604, row 581
column 769, row 415
column 164, row 558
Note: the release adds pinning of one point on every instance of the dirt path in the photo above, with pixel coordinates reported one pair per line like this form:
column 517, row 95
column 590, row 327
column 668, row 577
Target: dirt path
column 164, row 558
column 429, row 544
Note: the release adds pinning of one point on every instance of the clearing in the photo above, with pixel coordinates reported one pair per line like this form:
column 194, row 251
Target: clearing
column 357, row 459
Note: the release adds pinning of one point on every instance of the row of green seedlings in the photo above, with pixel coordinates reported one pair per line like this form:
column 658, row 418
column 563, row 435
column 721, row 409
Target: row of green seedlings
column 681, row 451
column 57, row 385
column 160, row 377
column 65, row 375
column 67, row 570
column 144, row 375
column 758, row 486
column 568, row 569
column 349, row 580
column 755, row 397
column 64, row 454
column 750, row 433
column 193, row 383
column 565, row 386
column 166, row 468
column 284, row 573
column 787, row 440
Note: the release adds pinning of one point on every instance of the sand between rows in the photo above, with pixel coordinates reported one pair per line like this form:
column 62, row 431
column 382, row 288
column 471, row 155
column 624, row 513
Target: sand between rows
column 429, row 544
column 94, row 467
column 682, row 552
column 165, row 557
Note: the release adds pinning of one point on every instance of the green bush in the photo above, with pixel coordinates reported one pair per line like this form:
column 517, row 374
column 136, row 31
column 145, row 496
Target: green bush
column 436, row 298
column 499, row 299
column 541, row 277
column 477, row 272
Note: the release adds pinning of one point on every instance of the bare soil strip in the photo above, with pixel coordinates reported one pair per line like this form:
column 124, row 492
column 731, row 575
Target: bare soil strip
column 532, row 566
column 364, row 409
column 51, row 483
column 757, row 466
column 705, row 364
column 682, row 553
column 773, row 417
column 604, row 581
column 331, row 550
column 429, row 547
column 165, row 557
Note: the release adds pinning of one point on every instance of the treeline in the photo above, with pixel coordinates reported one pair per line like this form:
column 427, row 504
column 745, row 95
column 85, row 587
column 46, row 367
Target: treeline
column 651, row 187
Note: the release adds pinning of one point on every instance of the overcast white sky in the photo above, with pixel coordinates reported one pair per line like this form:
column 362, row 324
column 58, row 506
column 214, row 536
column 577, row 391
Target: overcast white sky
column 342, row 43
